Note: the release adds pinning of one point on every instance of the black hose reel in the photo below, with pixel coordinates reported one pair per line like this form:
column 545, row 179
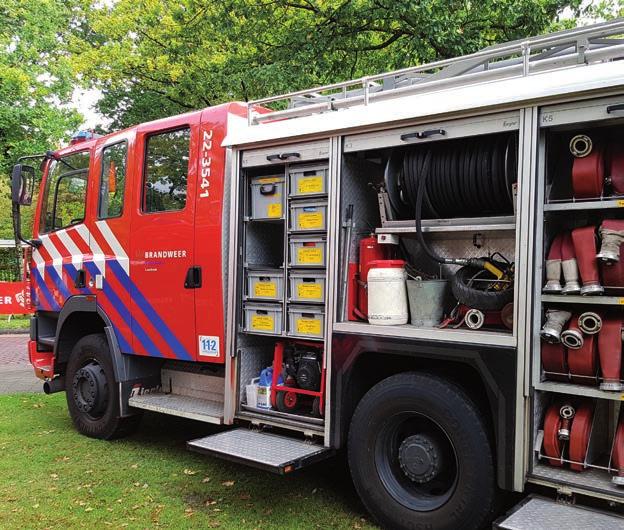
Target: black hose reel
column 459, row 178
column 467, row 177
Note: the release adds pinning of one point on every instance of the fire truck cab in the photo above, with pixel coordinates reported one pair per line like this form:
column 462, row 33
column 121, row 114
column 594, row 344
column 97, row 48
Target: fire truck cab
column 421, row 267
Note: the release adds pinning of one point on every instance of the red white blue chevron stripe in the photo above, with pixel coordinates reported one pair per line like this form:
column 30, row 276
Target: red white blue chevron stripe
column 98, row 251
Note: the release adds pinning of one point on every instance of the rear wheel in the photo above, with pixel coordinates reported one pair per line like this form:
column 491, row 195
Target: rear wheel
column 420, row 456
column 92, row 393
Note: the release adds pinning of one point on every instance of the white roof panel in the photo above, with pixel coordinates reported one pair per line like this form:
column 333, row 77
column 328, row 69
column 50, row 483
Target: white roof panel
column 497, row 94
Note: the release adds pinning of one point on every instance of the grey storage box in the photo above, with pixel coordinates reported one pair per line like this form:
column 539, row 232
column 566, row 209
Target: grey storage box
column 263, row 318
column 308, row 216
column 307, row 286
column 307, row 251
column 267, row 197
column 265, row 284
column 308, row 180
column 306, row 321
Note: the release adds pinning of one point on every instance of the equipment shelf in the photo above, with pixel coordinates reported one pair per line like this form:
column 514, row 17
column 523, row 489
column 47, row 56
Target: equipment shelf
column 277, row 220
column 579, row 204
column 578, row 390
column 258, row 412
column 458, row 224
column 283, row 335
column 587, row 300
column 463, row 335
column 589, row 480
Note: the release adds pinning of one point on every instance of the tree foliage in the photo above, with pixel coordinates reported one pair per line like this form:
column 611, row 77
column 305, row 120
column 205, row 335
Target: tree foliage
column 153, row 58
column 36, row 83
column 158, row 57
column 36, row 76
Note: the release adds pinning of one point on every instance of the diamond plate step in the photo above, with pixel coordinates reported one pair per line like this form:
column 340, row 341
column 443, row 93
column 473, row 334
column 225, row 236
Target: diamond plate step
column 268, row 451
column 177, row 405
column 590, row 481
column 538, row 513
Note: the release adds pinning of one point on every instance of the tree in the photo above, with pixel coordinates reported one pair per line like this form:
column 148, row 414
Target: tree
column 160, row 57
column 36, row 82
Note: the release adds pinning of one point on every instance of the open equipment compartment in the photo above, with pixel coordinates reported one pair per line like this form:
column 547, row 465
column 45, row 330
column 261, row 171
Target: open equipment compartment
column 466, row 172
column 574, row 444
column 577, row 323
column 281, row 281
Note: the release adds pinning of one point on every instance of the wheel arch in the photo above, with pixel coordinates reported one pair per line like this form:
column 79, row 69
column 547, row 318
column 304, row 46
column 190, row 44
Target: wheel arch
column 486, row 375
column 372, row 367
column 79, row 317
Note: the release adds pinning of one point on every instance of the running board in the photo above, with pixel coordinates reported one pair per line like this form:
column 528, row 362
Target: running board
column 539, row 513
column 270, row 452
column 177, row 405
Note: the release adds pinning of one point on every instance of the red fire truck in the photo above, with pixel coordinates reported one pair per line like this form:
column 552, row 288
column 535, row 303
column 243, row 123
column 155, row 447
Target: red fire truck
column 422, row 267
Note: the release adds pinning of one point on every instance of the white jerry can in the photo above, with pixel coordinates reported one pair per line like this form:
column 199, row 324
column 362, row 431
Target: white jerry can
column 387, row 295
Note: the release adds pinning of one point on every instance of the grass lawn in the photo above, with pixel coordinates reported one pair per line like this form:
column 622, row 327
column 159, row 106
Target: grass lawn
column 16, row 322
column 51, row 477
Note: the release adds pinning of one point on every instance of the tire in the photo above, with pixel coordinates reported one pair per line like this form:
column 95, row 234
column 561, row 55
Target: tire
column 475, row 298
column 287, row 402
column 92, row 393
column 400, row 420
column 316, row 407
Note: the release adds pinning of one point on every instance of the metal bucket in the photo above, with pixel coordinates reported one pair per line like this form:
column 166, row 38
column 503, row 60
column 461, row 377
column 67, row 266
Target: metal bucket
column 426, row 301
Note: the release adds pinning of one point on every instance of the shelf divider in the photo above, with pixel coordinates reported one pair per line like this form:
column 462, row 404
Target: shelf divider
column 459, row 224
column 587, row 300
column 594, row 204
column 578, row 390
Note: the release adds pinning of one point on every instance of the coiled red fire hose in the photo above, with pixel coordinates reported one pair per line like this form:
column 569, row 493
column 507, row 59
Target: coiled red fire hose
column 616, row 169
column 610, row 353
column 584, row 240
column 554, row 360
column 582, row 362
column 588, row 175
column 579, row 435
column 553, row 445
column 617, row 455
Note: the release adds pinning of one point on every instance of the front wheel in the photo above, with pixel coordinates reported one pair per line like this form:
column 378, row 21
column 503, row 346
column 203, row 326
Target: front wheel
column 92, row 393
column 420, row 456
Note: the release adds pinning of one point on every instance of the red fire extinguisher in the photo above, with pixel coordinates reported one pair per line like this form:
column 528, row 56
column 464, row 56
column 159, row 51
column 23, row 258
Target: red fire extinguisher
column 370, row 250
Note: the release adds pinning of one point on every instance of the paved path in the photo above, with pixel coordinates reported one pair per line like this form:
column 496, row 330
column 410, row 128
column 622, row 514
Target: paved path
column 16, row 374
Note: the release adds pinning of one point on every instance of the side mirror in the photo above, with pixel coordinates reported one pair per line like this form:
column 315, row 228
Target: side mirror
column 22, row 184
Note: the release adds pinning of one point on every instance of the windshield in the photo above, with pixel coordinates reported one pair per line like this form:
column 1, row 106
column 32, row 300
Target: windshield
column 63, row 200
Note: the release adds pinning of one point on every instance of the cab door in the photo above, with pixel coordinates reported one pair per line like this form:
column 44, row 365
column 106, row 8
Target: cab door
column 162, row 273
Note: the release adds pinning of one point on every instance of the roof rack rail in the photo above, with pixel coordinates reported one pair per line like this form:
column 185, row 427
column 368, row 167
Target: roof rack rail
column 563, row 49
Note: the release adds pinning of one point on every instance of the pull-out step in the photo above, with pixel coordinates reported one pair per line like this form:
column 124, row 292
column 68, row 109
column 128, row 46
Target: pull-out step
column 193, row 408
column 538, row 513
column 268, row 451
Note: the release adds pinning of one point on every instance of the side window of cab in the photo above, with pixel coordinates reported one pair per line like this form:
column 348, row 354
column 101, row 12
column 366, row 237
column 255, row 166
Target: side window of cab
column 113, row 180
column 166, row 171
column 65, row 192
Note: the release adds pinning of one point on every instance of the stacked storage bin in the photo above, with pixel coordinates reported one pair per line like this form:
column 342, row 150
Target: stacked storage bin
column 307, row 256
column 264, row 272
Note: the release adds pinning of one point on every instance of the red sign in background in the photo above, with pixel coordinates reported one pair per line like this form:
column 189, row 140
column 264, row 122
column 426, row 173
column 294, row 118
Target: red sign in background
column 15, row 298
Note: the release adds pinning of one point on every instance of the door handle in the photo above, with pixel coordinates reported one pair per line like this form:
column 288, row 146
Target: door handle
column 618, row 107
column 193, row 278
column 421, row 135
column 431, row 132
column 80, row 281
